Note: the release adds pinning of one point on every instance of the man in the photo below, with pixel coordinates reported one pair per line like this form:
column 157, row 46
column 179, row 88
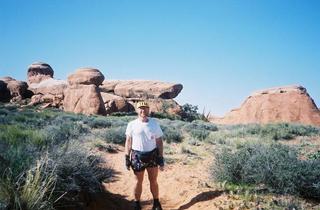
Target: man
column 144, row 150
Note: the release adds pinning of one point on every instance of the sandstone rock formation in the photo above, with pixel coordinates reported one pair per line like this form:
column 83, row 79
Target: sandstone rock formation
column 4, row 92
column 164, row 105
column 122, row 95
column 86, row 76
column 47, row 100
column 280, row 104
column 13, row 90
column 83, row 94
column 39, row 71
column 142, row 89
column 114, row 103
column 47, row 91
column 49, row 86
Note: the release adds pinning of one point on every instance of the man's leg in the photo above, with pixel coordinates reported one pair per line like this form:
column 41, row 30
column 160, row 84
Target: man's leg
column 154, row 188
column 138, row 187
column 153, row 175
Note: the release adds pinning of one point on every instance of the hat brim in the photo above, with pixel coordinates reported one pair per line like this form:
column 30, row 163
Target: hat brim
column 142, row 107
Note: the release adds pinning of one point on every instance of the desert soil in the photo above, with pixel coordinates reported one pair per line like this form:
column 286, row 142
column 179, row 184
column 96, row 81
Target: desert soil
column 184, row 184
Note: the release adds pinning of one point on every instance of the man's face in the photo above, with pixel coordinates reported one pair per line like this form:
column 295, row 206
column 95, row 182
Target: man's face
column 143, row 111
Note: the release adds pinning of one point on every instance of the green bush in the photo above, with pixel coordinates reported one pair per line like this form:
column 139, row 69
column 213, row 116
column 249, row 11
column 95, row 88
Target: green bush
column 199, row 134
column 162, row 115
column 78, row 175
column 171, row 134
column 115, row 135
column 276, row 166
column 314, row 156
column 30, row 190
column 62, row 132
column 17, row 135
column 189, row 113
column 199, row 129
column 99, row 123
column 280, row 130
column 121, row 114
column 26, row 180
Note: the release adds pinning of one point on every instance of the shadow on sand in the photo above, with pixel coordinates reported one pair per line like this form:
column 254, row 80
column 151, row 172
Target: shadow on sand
column 110, row 201
column 204, row 196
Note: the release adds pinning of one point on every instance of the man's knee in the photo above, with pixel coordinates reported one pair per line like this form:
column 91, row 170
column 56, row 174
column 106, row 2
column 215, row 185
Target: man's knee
column 153, row 180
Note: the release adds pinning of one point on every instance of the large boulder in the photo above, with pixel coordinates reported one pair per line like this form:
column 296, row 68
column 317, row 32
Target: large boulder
column 84, row 99
column 47, row 100
column 109, row 85
column 114, row 103
column 169, row 106
column 165, row 106
column 83, row 94
column 145, row 89
column 86, row 76
column 4, row 92
column 17, row 89
column 49, row 86
column 38, row 72
column 280, row 104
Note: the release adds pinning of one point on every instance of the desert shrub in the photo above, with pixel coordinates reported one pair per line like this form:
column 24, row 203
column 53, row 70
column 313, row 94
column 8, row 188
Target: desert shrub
column 121, row 114
column 199, row 129
column 115, row 135
column 62, row 132
column 30, row 190
column 308, row 179
column 200, row 125
column 314, row 156
column 193, row 141
column 176, row 124
column 99, row 123
column 274, row 165
column 79, row 175
column 280, row 130
column 162, row 115
column 17, row 159
column 26, row 180
column 4, row 112
column 199, row 134
column 171, row 134
column 219, row 137
column 16, row 135
column 189, row 113
column 10, row 107
column 118, row 122
column 68, row 117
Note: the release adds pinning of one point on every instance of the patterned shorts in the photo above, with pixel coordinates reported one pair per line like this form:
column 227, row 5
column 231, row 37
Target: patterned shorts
column 142, row 160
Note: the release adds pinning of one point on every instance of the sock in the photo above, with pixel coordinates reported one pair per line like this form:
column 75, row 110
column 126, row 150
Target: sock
column 156, row 201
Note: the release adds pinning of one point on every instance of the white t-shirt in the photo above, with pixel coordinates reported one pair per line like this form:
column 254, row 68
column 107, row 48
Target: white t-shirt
column 144, row 134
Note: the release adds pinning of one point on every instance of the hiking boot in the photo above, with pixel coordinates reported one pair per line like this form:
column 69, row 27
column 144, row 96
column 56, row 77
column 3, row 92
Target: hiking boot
column 156, row 206
column 137, row 205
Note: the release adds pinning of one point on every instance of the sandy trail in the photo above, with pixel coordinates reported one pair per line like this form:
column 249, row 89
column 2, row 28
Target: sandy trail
column 181, row 186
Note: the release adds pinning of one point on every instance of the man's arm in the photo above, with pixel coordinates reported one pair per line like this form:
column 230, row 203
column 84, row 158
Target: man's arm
column 128, row 145
column 160, row 159
column 159, row 143
column 127, row 151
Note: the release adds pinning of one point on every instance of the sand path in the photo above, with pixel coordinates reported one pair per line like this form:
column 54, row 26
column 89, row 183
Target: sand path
column 182, row 186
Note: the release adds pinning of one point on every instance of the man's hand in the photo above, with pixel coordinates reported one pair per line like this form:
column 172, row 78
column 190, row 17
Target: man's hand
column 160, row 162
column 128, row 162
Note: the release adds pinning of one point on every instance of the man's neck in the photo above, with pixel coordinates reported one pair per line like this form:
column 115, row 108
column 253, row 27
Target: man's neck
column 144, row 119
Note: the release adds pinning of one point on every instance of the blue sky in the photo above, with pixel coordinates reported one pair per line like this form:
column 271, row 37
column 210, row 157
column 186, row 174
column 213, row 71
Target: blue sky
column 221, row 51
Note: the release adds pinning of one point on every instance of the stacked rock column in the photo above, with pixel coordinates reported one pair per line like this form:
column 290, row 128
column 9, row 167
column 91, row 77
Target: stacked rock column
column 83, row 94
